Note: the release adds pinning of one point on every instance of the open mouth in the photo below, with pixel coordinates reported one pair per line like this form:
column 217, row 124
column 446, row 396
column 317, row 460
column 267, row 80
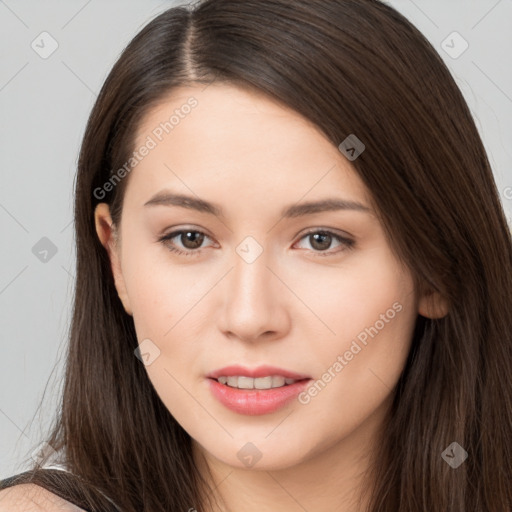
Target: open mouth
column 258, row 395
column 258, row 383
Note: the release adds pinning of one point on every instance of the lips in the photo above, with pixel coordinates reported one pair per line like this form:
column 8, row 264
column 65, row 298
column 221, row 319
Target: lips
column 255, row 401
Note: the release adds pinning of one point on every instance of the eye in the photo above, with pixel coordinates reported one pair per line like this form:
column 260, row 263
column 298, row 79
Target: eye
column 321, row 240
column 190, row 239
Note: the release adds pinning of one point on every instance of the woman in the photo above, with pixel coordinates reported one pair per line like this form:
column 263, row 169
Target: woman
column 293, row 277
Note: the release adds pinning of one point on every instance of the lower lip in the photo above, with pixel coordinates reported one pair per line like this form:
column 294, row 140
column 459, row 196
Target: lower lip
column 254, row 402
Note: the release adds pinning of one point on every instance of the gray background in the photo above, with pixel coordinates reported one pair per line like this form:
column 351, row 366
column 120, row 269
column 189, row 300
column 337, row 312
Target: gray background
column 44, row 104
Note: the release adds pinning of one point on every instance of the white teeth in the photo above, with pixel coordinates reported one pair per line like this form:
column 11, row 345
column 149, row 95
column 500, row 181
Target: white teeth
column 264, row 383
column 277, row 381
column 243, row 382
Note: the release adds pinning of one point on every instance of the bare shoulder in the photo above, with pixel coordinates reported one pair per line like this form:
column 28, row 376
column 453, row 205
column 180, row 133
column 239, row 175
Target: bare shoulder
column 33, row 498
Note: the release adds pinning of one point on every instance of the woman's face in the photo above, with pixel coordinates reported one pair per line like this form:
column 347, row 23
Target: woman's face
column 314, row 292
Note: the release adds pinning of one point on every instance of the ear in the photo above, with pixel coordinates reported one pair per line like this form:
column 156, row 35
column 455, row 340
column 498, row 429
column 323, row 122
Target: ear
column 109, row 238
column 432, row 305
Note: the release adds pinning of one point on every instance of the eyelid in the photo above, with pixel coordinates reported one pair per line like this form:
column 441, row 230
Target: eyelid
column 320, row 229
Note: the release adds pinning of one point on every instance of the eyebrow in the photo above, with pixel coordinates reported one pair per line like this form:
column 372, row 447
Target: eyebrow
column 166, row 198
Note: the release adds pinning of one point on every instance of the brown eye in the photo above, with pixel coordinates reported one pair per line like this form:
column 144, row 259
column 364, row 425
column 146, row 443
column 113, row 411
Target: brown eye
column 186, row 242
column 320, row 241
column 191, row 239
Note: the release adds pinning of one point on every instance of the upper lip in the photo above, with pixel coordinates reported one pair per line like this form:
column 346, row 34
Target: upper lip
column 260, row 371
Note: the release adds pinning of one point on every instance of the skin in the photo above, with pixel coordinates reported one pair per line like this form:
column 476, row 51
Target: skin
column 293, row 307
column 32, row 498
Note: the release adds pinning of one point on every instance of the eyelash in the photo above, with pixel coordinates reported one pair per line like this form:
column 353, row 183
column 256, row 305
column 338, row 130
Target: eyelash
column 347, row 242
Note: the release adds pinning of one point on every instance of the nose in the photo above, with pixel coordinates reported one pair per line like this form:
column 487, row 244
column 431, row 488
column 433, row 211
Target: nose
column 255, row 302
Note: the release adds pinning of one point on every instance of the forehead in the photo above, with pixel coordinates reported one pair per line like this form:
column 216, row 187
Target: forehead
column 241, row 143
column 225, row 113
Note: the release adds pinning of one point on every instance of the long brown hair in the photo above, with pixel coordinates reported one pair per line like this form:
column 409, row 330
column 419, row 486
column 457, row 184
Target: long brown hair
column 351, row 67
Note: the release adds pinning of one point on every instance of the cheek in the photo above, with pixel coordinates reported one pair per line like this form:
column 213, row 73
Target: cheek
column 358, row 376
column 352, row 297
column 160, row 297
column 167, row 304
column 371, row 311
column 152, row 290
